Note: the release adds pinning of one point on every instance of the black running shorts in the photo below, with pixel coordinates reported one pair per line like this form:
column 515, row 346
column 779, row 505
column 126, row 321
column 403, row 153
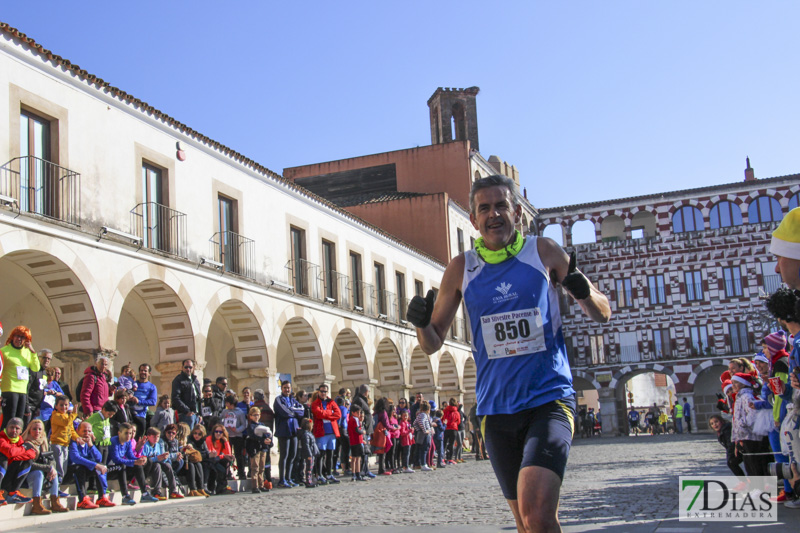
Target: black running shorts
column 541, row 436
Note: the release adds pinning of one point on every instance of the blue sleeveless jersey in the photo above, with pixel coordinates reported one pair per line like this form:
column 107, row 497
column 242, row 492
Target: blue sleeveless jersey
column 517, row 340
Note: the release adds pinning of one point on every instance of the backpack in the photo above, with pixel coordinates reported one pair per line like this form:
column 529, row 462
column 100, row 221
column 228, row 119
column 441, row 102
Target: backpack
column 78, row 389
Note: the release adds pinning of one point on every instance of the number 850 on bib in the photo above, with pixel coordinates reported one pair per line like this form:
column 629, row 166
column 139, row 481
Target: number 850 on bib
column 513, row 333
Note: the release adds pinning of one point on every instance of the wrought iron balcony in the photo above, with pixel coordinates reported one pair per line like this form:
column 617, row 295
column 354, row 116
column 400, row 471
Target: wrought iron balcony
column 334, row 286
column 387, row 305
column 363, row 297
column 235, row 252
column 301, row 275
column 160, row 228
column 772, row 282
column 42, row 188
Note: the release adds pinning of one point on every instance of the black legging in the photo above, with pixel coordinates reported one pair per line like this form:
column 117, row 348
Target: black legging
column 734, row 462
column 11, row 473
column 343, row 445
column 449, row 440
column 328, row 466
column 287, row 447
column 238, row 451
column 14, row 405
column 122, row 473
column 396, row 454
column 757, row 465
column 194, row 474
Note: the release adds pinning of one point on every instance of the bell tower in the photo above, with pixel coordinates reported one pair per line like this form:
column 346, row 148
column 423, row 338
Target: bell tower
column 454, row 116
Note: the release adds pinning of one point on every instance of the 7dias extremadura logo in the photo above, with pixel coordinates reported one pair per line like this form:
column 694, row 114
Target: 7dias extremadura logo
column 726, row 498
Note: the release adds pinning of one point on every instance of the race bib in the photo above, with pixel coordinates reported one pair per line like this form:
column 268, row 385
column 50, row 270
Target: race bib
column 22, row 373
column 106, row 432
column 206, row 411
column 50, row 400
column 513, row 333
column 42, row 383
column 229, row 423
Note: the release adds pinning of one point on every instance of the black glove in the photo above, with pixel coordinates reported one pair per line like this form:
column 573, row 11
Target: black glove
column 575, row 282
column 420, row 309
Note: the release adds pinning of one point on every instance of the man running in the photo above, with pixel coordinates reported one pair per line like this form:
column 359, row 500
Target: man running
column 524, row 386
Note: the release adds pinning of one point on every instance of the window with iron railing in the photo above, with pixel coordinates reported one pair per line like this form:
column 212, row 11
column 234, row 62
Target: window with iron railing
column 303, row 273
column 160, row 227
column 694, row 285
column 732, row 279
column 662, row 344
column 698, row 340
column 235, row 252
column 43, row 188
column 738, row 335
column 656, row 289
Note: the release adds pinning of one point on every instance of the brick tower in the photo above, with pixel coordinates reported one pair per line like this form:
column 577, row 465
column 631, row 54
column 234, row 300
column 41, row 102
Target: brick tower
column 454, row 116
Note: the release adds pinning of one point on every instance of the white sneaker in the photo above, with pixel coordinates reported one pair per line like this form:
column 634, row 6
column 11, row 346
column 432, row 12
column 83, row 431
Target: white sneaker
column 792, row 504
column 408, row 471
column 426, row 468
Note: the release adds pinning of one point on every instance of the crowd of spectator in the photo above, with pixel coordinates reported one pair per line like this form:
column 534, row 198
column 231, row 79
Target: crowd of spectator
column 193, row 441
column 760, row 405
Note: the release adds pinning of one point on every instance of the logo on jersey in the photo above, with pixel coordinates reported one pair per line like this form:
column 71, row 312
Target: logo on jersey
column 503, row 288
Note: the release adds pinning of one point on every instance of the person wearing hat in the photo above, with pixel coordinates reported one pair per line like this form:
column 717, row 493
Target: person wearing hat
column 782, row 305
column 776, row 362
column 785, row 245
column 749, row 442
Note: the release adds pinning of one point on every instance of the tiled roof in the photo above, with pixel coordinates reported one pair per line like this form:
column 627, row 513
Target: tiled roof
column 661, row 196
column 144, row 107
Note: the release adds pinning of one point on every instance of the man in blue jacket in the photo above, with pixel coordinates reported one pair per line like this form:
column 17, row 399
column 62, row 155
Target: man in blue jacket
column 146, row 395
column 85, row 460
column 120, row 453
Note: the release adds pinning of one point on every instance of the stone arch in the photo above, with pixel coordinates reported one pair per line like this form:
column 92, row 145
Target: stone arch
column 612, row 228
column 154, row 327
column 554, row 231
column 235, row 343
column 388, row 368
column 583, row 231
column 583, row 381
column 421, row 372
column 640, row 369
column 73, row 322
column 705, row 383
column 299, row 353
column 449, row 383
column 470, row 380
column 164, row 298
column 646, row 221
column 349, row 361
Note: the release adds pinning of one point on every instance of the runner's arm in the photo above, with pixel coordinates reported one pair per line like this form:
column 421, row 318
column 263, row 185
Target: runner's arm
column 432, row 336
column 596, row 305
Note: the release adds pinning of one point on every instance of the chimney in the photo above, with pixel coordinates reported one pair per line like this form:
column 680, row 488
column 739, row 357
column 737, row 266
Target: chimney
column 749, row 173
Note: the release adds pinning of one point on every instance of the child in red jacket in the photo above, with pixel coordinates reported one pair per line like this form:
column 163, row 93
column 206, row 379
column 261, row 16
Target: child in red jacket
column 355, row 432
column 15, row 461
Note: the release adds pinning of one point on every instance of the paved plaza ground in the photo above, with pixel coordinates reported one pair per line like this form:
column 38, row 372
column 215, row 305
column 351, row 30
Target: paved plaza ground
column 612, row 484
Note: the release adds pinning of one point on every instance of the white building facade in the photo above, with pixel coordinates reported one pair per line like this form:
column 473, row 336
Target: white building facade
column 125, row 232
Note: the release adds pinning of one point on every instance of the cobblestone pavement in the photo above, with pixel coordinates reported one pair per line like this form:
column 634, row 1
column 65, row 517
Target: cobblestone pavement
column 612, row 484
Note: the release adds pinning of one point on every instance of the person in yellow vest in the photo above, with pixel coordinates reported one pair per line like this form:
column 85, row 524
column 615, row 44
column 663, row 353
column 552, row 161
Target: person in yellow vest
column 679, row 417
column 19, row 360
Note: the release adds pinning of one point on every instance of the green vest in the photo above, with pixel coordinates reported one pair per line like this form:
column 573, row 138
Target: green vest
column 678, row 410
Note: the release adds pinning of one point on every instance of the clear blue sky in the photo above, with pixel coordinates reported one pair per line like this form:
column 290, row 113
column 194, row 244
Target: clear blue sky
column 590, row 100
